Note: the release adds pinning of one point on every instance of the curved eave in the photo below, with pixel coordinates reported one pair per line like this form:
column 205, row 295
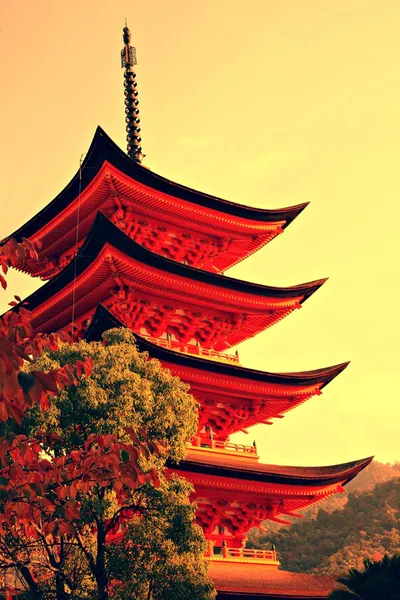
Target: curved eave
column 104, row 232
column 103, row 320
column 240, row 469
column 104, row 149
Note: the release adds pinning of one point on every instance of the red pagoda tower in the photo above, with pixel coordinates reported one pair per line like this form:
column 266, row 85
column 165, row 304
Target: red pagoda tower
column 123, row 246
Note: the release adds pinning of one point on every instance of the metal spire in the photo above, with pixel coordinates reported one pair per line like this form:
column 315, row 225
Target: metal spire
column 128, row 60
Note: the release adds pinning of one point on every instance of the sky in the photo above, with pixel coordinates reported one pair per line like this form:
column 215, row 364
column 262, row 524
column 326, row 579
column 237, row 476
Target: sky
column 265, row 103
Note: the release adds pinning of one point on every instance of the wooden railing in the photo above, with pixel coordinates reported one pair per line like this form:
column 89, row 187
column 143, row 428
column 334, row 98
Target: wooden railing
column 246, row 555
column 205, row 443
column 250, row 553
column 194, row 350
column 230, row 446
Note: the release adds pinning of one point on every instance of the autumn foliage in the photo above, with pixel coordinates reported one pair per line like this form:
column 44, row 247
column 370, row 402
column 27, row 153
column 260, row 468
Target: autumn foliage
column 43, row 487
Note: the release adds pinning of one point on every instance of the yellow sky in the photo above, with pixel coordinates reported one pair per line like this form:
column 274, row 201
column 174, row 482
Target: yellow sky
column 267, row 103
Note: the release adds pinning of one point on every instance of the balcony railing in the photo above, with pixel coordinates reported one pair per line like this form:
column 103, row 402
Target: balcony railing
column 231, row 447
column 194, row 350
column 202, row 443
column 268, row 557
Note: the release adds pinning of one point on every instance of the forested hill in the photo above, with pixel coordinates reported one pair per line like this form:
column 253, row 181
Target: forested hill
column 376, row 472
column 331, row 543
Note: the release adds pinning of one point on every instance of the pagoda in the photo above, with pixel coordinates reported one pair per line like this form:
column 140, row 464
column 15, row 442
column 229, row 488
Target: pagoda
column 123, row 246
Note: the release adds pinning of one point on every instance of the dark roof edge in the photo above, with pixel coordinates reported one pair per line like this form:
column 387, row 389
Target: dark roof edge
column 102, row 148
column 103, row 320
column 290, row 475
column 103, row 231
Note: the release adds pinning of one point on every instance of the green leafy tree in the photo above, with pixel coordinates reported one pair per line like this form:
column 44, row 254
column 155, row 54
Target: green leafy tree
column 125, row 389
column 161, row 555
column 380, row 580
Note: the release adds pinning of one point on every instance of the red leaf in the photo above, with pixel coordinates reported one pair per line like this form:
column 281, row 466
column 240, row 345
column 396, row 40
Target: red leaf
column 3, row 412
column 10, row 594
column 155, row 478
column 16, row 413
column 44, row 401
column 66, row 529
column 2, row 369
column 118, row 486
column 11, row 385
column 71, row 512
column 47, row 380
column 79, row 366
column 36, row 393
column 88, row 367
column 132, row 434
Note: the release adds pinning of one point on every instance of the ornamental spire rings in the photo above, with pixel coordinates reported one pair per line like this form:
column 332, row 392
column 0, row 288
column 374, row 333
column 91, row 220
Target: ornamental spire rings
column 128, row 60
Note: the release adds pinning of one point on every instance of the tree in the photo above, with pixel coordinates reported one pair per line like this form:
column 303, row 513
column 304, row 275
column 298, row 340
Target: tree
column 350, row 556
column 62, row 494
column 162, row 553
column 19, row 391
column 18, row 345
column 103, row 437
column 125, row 389
column 380, row 580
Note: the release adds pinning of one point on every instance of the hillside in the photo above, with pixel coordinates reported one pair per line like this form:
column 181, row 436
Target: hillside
column 375, row 473
column 364, row 522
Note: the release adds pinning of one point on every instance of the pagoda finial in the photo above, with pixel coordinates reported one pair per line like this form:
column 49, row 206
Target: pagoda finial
column 128, row 60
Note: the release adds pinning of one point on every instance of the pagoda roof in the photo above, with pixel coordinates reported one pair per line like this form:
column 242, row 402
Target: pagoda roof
column 261, row 395
column 240, row 468
column 103, row 320
column 246, row 581
column 241, row 493
column 109, row 258
column 107, row 171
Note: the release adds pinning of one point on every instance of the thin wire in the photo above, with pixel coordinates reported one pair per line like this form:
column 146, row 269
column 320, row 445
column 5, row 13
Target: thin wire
column 76, row 242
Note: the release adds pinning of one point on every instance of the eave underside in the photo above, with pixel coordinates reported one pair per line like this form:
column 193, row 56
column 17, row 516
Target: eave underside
column 158, row 295
column 234, row 494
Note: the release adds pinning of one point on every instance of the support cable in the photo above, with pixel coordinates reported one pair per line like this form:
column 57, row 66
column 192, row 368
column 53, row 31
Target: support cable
column 77, row 241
